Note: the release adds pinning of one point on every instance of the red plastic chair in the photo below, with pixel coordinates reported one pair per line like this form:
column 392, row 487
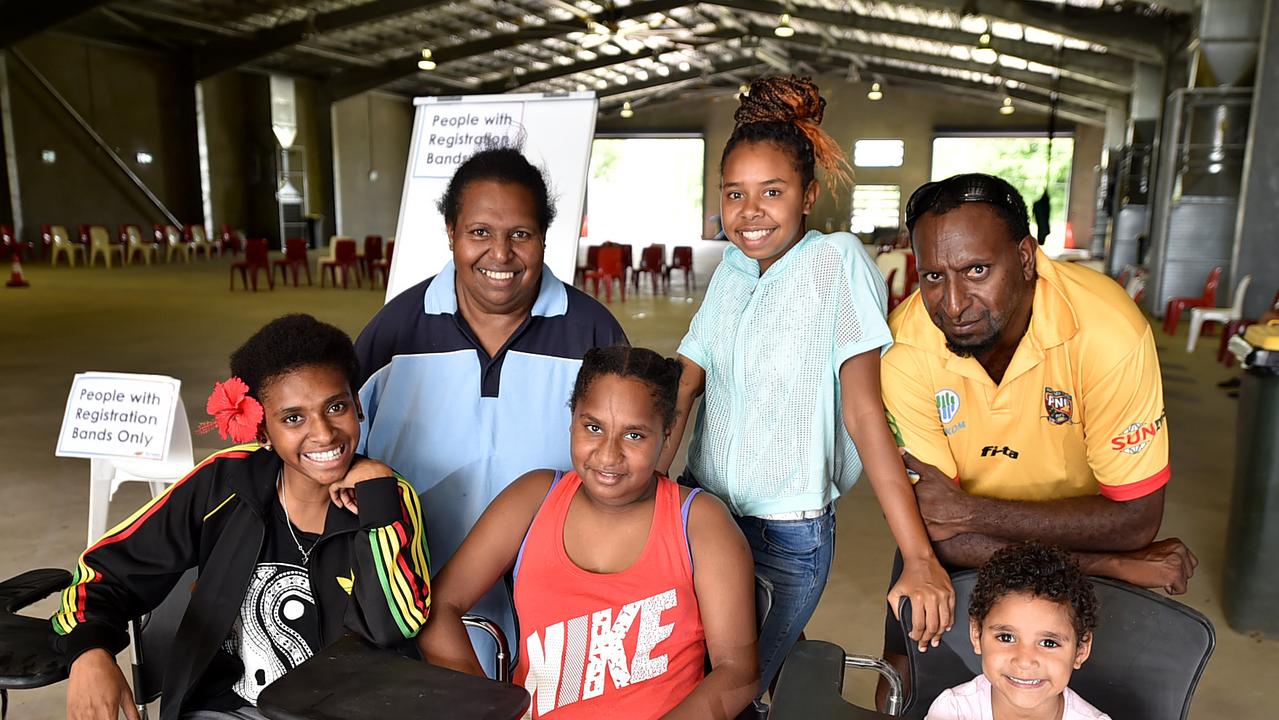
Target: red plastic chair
column 82, row 236
column 9, row 241
column 230, row 240
column 610, row 269
column 256, row 257
column 893, row 299
column 46, row 241
column 382, row 267
column 372, row 253
column 344, row 257
column 294, row 258
column 1172, row 313
column 682, row 259
column 653, row 262
column 592, row 263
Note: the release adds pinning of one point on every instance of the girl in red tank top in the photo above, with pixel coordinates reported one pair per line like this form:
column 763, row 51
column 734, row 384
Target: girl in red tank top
column 614, row 622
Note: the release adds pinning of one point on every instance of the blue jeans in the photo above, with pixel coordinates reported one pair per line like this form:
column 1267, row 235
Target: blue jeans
column 795, row 555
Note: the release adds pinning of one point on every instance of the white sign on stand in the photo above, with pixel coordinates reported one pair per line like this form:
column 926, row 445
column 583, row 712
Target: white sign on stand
column 119, row 415
column 556, row 129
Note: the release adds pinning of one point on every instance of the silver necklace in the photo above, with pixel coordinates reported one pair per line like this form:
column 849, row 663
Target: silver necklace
column 306, row 554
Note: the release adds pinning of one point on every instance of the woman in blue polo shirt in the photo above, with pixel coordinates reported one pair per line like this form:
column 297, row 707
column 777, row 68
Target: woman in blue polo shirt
column 467, row 375
column 786, row 347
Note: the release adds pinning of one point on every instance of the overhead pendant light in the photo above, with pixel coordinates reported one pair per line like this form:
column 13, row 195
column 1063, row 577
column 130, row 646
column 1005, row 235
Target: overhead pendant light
column 1007, row 108
column 876, row 92
column 984, row 53
column 783, row 29
column 426, row 63
column 626, row 110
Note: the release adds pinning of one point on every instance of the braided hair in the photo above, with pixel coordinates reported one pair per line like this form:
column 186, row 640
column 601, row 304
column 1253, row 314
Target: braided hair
column 787, row 112
column 660, row 374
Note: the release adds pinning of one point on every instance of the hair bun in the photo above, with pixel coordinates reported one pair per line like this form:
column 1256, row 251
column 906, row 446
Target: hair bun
column 778, row 98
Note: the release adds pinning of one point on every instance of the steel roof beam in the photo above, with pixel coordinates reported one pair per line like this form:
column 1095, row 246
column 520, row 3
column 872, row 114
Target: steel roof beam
column 354, row 82
column 1070, row 88
column 24, row 18
column 230, row 54
column 1110, row 69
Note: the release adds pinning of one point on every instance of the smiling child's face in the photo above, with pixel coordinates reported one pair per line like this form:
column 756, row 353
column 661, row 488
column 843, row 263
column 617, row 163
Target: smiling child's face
column 1028, row 651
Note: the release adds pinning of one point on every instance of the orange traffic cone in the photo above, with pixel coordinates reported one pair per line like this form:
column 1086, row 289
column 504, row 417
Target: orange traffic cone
column 15, row 278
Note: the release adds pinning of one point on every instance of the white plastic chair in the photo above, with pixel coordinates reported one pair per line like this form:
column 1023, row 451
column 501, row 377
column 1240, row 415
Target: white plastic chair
column 136, row 245
column 200, row 242
column 1199, row 315
column 107, row 474
column 62, row 245
column 175, row 245
column 100, row 244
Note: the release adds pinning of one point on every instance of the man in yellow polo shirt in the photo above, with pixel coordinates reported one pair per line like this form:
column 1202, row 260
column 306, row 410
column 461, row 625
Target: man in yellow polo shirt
column 1027, row 395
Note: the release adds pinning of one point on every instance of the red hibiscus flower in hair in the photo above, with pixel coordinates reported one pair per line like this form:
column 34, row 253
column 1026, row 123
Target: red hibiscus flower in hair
column 236, row 415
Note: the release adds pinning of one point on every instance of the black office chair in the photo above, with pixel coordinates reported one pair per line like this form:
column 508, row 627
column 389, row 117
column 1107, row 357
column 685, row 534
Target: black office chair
column 27, row 656
column 811, row 681
column 1148, row 653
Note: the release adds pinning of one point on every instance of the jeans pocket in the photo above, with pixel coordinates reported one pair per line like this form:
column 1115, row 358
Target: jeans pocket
column 795, row 538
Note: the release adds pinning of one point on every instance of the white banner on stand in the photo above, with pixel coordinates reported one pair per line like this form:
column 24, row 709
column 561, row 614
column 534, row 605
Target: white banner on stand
column 557, row 132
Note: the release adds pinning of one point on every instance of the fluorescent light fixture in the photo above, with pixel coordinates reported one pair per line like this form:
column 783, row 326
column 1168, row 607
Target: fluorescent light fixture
column 783, row 29
column 48, row 157
column 1007, row 108
column 985, row 55
column 684, row 66
column 876, row 92
column 426, row 63
column 626, row 109
column 144, row 158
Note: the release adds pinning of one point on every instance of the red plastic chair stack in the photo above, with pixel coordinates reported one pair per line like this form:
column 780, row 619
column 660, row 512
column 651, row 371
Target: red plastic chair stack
column 294, row 258
column 344, row 257
column 256, row 257
column 372, row 253
column 382, row 267
column 230, row 240
column 653, row 262
column 1172, row 313
column 592, row 263
column 9, row 241
column 682, row 259
column 46, row 241
column 610, row 269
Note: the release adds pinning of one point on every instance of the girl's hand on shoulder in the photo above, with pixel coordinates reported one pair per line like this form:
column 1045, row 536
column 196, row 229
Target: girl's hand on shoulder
column 342, row 492
column 932, row 600
column 96, row 689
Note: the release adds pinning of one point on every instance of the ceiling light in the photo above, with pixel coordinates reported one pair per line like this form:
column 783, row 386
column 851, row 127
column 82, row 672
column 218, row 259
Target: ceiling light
column 684, row 66
column 783, row 29
column 426, row 63
column 663, row 70
column 626, row 109
column 600, row 29
column 876, row 92
column 985, row 55
column 743, row 89
column 1007, row 108
column 984, row 40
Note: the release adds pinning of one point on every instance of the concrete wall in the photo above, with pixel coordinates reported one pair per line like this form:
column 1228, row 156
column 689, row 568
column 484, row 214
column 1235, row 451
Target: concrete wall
column 371, row 132
column 135, row 100
column 226, row 132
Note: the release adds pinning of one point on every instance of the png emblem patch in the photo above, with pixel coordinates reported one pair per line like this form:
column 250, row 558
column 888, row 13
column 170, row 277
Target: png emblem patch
column 1059, row 405
column 947, row 405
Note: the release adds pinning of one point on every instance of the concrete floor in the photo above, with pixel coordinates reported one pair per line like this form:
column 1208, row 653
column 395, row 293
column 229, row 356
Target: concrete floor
column 180, row 320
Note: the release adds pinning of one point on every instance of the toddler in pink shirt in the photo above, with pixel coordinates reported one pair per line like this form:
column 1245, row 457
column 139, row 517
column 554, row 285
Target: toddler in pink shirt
column 1031, row 619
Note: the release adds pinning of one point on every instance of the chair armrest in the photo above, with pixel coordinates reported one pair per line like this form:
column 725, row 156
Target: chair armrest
column 31, row 586
column 811, row 683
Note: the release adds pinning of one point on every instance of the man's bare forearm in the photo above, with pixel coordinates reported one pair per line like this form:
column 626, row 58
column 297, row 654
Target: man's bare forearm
column 1091, row 523
column 972, row 550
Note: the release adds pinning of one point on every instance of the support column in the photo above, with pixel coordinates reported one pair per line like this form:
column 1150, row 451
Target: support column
column 13, row 198
column 1255, row 245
